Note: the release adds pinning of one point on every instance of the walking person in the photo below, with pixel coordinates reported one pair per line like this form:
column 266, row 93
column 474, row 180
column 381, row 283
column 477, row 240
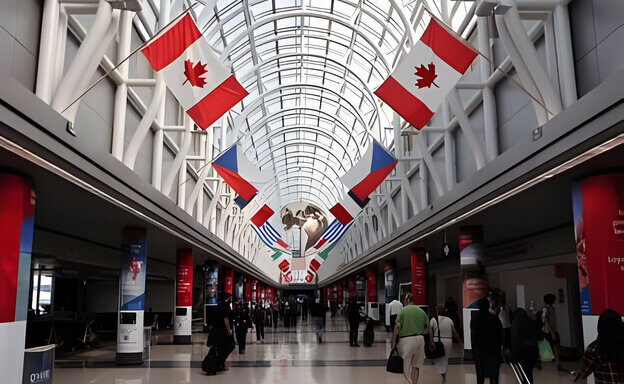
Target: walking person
column 550, row 328
column 259, row 318
column 220, row 335
column 604, row 357
column 354, row 321
column 275, row 313
column 395, row 308
column 445, row 334
column 524, row 349
column 318, row 316
column 486, row 330
column 411, row 324
column 242, row 322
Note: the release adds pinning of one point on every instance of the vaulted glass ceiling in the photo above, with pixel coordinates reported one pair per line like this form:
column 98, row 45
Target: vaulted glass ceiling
column 311, row 67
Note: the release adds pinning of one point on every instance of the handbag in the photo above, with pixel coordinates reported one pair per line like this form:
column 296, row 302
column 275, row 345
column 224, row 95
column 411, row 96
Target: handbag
column 438, row 347
column 395, row 362
column 545, row 352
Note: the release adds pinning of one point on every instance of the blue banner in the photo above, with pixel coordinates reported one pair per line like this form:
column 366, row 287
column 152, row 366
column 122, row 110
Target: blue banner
column 38, row 365
column 133, row 269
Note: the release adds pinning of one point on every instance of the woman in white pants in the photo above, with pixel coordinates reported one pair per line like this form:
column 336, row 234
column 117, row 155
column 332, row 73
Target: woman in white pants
column 447, row 332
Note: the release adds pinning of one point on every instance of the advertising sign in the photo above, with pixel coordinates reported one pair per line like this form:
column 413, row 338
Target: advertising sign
column 39, row 365
column 184, row 279
column 212, row 282
column 598, row 209
column 419, row 276
column 133, row 269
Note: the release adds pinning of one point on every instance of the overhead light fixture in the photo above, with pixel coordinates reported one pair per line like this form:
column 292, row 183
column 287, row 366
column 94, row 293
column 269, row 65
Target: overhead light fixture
column 126, row 5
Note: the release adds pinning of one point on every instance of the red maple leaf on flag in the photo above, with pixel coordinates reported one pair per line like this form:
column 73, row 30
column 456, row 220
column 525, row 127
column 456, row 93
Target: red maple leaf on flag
column 193, row 73
column 427, row 76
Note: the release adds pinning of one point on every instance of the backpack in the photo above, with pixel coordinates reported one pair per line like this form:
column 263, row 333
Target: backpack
column 210, row 365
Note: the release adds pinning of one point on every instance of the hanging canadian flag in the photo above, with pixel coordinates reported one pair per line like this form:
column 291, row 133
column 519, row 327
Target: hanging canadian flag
column 421, row 80
column 203, row 86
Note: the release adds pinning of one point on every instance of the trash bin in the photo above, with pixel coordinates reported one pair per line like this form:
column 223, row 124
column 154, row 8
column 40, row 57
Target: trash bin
column 147, row 341
column 39, row 365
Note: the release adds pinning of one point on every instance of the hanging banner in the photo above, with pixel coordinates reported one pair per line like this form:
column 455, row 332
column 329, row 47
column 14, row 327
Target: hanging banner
column 184, row 279
column 39, row 365
column 598, row 209
column 211, row 269
column 16, row 234
column 419, row 276
column 133, row 270
column 371, row 286
column 248, row 289
column 228, row 280
column 390, row 280
column 474, row 282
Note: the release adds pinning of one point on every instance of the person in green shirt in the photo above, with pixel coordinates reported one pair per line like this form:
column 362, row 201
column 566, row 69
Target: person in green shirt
column 412, row 322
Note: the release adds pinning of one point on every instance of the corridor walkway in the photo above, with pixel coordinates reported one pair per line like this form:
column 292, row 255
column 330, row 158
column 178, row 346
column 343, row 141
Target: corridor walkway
column 289, row 355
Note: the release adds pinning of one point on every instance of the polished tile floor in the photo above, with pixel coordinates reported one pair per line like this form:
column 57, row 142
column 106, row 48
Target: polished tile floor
column 288, row 355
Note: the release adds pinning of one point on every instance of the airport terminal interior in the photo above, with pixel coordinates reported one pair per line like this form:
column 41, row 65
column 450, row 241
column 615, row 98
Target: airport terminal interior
column 311, row 191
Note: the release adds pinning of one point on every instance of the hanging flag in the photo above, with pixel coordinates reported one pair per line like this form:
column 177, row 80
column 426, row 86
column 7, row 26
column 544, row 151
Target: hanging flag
column 284, row 267
column 204, row 87
column 419, row 83
column 330, row 237
column 369, row 172
column 313, row 268
column 240, row 174
column 267, row 224
column 346, row 209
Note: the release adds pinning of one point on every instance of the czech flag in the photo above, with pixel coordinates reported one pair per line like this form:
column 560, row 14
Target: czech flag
column 239, row 173
column 361, row 180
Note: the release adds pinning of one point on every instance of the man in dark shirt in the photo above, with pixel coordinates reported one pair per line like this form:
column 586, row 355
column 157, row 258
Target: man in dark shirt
column 354, row 322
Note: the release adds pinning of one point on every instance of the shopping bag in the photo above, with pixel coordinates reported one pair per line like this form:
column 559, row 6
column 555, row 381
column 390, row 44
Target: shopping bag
column 545, row 352
column 395, row 362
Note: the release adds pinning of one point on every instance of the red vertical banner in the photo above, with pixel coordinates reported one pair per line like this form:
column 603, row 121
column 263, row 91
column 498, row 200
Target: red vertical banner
column 228, row 280
column 17, row 205
column 352, row 288
column 262, row 292
column 339, row 292
column 598, row 209
column 371, row 286
column 254, row 289
column 419, row 276
column 184, row 278
column 248, row 289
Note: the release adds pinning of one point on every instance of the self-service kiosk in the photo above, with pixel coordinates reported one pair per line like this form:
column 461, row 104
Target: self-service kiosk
column 372, row 311
column 182, row 325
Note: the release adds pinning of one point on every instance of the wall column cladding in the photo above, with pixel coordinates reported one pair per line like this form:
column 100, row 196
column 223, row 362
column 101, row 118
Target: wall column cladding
column 132, row 297
column 184, row 298
column 419, row 276
column 598, row 209
column 228, row 280
column 17, row 207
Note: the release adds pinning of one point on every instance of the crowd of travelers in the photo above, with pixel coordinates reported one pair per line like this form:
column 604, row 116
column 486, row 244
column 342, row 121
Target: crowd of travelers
column 520, row 337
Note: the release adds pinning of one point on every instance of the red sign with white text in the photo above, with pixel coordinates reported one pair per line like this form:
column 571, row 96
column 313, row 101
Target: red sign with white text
column 184, row 278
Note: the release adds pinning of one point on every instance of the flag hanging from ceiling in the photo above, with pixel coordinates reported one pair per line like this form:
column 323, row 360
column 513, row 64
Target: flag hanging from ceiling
column 361, row 180
column 265, row 222
column 369, row 172
column 330, row 237
column 419, row 83
column 204, row 87
column 240, row 174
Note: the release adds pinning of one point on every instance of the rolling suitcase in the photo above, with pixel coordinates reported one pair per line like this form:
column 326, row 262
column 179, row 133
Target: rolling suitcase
column 369, row 332
column 210, row 365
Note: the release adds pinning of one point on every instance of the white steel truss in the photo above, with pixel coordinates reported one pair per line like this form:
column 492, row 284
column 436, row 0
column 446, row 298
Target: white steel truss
column 311, row 67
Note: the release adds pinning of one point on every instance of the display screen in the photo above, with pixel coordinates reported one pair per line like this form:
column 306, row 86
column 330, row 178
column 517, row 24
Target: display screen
column 180, row 311
column 128, row 318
